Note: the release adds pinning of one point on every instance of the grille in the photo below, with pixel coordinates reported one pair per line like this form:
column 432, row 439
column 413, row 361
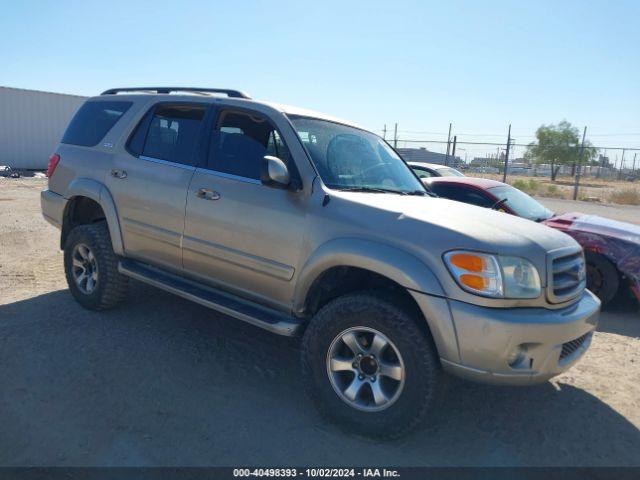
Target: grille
column 568, row 277
column 570, row 347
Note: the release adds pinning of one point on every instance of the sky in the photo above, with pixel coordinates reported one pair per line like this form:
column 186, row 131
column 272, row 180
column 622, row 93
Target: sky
column 480, row 65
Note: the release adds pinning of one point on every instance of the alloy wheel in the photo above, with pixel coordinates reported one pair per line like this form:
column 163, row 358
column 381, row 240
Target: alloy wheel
column 365, row 369
column 84, row 268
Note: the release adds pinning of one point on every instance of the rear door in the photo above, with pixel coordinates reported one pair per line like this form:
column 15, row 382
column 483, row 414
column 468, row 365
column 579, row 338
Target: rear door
column 240, row 235
column 149, row 182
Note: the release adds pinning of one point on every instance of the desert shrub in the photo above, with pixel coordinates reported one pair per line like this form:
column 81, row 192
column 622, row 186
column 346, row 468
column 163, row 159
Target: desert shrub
column 627, row 196
column 519, row 184
column 555, row 192
column 528, row 186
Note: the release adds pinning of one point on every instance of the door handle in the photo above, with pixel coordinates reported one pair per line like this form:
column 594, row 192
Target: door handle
column 207, row 194
column 118, row 173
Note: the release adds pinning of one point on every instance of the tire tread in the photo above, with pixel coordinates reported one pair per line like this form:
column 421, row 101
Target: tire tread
column 113, row 290
column 405, row 329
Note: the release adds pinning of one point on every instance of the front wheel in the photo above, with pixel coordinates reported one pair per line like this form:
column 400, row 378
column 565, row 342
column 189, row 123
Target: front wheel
column 369, row 366
column 603, row 278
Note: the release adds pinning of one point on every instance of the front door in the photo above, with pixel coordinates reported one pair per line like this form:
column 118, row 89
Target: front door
column 239, row 234
column 149, row 183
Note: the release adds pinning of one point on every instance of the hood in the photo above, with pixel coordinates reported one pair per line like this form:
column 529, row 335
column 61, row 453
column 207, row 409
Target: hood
column 440, row 225
column 593, row 224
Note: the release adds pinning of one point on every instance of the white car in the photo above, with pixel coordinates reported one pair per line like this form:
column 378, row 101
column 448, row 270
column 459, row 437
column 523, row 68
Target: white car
column 428, row 170
column 7, row 171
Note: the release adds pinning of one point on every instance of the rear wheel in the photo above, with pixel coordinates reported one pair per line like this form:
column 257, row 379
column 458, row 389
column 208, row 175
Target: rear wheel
column 91, row 267
column 369, row 366
column 603, row 278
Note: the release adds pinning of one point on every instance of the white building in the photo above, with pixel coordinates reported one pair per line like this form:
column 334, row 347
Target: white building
column 31, row 125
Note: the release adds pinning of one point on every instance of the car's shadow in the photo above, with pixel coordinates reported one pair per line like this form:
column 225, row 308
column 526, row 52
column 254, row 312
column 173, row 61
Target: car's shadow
column 621, row 316
column 162, row 381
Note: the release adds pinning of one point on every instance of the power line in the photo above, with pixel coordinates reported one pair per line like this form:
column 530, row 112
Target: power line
column 592, row 147
column 519, row 135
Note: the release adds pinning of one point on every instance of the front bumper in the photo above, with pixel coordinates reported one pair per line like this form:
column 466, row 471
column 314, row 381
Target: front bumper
column 486, row 337
column 52, row 205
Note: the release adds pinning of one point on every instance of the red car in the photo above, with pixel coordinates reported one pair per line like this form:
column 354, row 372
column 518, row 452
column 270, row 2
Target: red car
column 612, row 248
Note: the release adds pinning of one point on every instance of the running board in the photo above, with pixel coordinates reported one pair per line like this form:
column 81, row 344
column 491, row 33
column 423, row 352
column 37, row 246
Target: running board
column 258, row 315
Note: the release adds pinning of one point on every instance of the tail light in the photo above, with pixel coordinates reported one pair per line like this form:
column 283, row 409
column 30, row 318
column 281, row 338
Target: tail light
column 53, row 163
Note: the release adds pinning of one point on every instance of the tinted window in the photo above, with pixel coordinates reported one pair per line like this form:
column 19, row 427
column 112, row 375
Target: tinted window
column 239, row 143
column 449, row 172
column 173, row 133
column 460, row 194
column 422, row 173
column 139, row 135
column 92, row 122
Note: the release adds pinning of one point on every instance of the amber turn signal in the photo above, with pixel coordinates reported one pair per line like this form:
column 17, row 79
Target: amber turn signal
column 468, row 262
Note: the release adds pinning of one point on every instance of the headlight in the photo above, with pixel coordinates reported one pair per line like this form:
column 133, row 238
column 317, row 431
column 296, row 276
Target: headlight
column 494, row 275
column 521, row 279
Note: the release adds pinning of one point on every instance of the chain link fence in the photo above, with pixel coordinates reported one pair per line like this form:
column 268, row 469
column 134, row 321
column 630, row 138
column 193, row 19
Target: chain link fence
column 607, row 167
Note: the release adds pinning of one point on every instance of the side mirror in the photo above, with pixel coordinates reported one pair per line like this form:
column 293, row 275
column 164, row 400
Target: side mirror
column 274, row 173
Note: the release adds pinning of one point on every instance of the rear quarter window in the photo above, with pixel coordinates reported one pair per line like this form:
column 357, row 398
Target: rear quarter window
column 92, row 122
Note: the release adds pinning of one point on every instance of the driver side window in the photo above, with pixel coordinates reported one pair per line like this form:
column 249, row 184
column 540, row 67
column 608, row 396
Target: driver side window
column 240, row 141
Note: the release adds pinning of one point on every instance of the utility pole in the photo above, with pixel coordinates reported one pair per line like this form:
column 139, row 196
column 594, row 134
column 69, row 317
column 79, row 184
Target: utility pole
column 577, row 184
column 621, row 165
column 506, row 156
column 384, row 132
column 446, row 157
column 633, row 169
column 453, row 154
column 395, row 136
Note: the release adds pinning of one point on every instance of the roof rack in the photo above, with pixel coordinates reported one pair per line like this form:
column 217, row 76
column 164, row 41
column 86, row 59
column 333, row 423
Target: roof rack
column 228, row 92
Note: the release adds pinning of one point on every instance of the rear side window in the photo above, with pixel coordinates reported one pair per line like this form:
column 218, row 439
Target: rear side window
column 92, row 122
column 173, row 132
column 239, row 143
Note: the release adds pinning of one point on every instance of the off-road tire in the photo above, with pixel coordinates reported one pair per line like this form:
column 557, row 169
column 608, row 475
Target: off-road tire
column 423, row 372
column 603, row 278
column 111, row 286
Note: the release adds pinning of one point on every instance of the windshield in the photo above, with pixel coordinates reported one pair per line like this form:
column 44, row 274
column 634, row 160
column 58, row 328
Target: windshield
column 450, row 172
column 521, row 203
column 348, row 158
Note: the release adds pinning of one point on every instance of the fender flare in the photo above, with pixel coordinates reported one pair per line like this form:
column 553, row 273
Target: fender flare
column 98, row 192
column 395, row 264
column 400, row 266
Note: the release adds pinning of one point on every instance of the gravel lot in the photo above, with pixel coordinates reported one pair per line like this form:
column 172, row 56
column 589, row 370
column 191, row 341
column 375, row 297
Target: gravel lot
column 161, row 381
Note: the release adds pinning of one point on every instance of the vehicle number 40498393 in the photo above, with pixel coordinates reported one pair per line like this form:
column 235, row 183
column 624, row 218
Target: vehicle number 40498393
column 316, row 472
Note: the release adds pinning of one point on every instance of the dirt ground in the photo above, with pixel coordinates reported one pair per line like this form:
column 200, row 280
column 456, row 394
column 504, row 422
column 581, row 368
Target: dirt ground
column 162, row 381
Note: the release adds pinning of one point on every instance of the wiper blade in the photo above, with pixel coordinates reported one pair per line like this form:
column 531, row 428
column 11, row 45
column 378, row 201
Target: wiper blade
column 372, row 190
column 499, row 203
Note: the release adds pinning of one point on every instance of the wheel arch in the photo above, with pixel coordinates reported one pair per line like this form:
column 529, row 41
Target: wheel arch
column 397, row 266
column 95, row 192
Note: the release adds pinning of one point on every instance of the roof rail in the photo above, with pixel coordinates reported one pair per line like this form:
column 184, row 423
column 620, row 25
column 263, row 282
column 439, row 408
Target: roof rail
column 228, row 92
